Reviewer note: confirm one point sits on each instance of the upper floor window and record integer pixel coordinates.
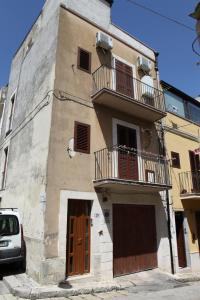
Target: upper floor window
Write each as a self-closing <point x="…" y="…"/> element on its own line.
<point x="174" y="104"/>
<point x="175" y="160"/>
<point x="5" y="162"/>
<point x="182" y="107"/>
<point x="194" y="112"/>
<point x="84" y="60"/>
<point x="11" y="111"/>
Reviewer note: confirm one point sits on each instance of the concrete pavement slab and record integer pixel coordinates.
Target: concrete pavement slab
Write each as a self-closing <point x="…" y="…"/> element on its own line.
<point x="103" y="295"/>
<point x="3" y="289"/>
<point x="89" y="297"/>
<point x="183" y="293"/>
<point x="9" y="297"/>
<point x="108" y="295"/>
<point x="75" y="298"/>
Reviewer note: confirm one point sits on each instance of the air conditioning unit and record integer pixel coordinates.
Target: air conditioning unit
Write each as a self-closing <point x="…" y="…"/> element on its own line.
<point x="104" y="41"/>
<point x="144" y="64"/>
<point x="147" y="87"/>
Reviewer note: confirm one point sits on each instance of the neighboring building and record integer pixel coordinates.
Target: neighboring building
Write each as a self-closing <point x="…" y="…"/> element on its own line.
<point x="198" y="98"/>
<point x="82" y="149"/>
<point x="182" y="137"/>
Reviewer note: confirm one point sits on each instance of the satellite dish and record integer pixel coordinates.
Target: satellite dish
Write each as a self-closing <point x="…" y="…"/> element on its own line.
<point x="70" y="148"/>
<point x="147" y="88"/>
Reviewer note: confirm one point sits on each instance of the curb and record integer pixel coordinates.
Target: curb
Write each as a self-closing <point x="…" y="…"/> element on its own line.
<point x="18" y="290"/>
<point x="186" y="277"/>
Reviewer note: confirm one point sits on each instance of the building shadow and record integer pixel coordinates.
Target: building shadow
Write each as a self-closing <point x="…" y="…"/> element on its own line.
<point x="10" y="269"/>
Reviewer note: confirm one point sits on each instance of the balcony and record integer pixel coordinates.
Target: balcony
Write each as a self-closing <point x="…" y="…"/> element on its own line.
<point x="119" y="168"/>
<point x="118" y="90"/>
<point x="190" y="185"/>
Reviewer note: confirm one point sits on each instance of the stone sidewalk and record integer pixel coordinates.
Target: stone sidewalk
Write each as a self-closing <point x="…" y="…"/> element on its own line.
<point x="24" y="287"/>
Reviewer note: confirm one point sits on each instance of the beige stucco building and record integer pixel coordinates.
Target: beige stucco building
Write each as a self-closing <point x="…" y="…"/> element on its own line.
<point x="182" y="138"/>
<point x="82" y="149"/>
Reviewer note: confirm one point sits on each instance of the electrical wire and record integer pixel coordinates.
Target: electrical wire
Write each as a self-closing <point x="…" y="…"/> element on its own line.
<point x="160" y="14"/>
<point x="43" y="103"/>
<point x="193" y="44"/>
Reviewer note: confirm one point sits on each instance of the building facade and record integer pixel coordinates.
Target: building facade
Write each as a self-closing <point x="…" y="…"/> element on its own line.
<point x="182" y="138"/>
<point x="82" y="149"/>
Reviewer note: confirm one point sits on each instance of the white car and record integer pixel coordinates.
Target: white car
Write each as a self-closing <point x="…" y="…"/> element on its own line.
<point x="12" y="245"/>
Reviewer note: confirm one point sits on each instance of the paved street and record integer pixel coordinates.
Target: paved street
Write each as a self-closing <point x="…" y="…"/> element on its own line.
<point x="189" y="292"/>
<point x="151" y="285"/>
<point x="174" y="291"/>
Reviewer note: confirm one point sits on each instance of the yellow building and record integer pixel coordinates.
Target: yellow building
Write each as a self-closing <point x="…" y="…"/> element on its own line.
<point x="182" y="138"/>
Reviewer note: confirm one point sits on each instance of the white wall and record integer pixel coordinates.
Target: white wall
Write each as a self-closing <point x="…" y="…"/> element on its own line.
<point x="31" y="77"/>
<point x="102" y="244"/>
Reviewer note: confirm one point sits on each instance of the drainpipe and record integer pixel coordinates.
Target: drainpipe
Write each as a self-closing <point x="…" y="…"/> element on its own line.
<point x="169" y="232"/>
<point x="168" y="208"/>
<point x="166" y="191"/>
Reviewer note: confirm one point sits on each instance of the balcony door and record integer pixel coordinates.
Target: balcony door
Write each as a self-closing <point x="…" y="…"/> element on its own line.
<point x="127" y="153"/>
<point x="124" y="78"/>
<point x="195" y="171"/>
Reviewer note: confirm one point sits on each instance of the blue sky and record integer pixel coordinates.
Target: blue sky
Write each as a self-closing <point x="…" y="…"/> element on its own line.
<point x="177" y="62"/>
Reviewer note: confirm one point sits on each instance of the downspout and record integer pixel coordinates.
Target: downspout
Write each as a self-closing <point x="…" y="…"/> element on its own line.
<point x="168" y="206"/>
<point x="166" y="174"/>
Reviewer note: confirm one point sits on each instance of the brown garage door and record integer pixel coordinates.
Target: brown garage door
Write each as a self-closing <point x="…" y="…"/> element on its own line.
<point x="134" y="238"/>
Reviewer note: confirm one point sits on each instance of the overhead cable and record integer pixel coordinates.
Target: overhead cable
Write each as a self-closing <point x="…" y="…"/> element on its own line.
<point x="160" y="14"/>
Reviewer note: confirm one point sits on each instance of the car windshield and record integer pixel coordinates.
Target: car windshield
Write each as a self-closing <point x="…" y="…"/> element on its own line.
<point x="9" y="225"/>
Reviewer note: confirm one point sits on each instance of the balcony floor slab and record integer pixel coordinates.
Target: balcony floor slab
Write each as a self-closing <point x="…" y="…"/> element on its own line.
<point x="128" y="105"/>
<point x="191" y="196"/>
<point x="124" y="185"/>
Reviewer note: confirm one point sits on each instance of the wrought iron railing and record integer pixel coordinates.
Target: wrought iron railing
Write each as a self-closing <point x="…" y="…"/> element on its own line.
<point x="189" y="182"/>
<point x="124" y="163"/>
<point x="123" y="83"/>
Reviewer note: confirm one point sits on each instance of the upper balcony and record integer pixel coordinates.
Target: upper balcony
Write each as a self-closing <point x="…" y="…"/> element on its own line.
<point x="190" y="185"/>
<point x="126" y="169"/>
<point x="119" y="90"/>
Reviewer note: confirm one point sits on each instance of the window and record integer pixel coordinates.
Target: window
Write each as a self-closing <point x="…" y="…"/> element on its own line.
<point x="4" y="168"/>
<point x="84" y="60"/>
<point x="194" y="112"/>
<point x="175" y="160"/>
<point x="81" y="137"/>
<point x="174" y="104"/>
<point x="11" y="115"/>
<point x="9" y="225"/>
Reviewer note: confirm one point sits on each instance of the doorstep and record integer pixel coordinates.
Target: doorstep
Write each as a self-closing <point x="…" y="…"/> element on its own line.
<point x="187" y="276"/>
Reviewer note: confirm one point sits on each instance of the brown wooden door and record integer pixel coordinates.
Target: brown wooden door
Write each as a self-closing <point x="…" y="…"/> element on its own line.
<point x="197" y="215"/>
<point x="180" y="239"/>
<point x="78" y="237"/>
<point x="195" y="171"/>
<point x="127" y="159"/>
<point x="124" y="79"/>
<point x="134" y="238"/>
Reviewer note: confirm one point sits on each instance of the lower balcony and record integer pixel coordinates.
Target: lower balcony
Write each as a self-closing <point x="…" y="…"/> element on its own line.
<point x="122" y="169"/>
<point x="190" y="185"/>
